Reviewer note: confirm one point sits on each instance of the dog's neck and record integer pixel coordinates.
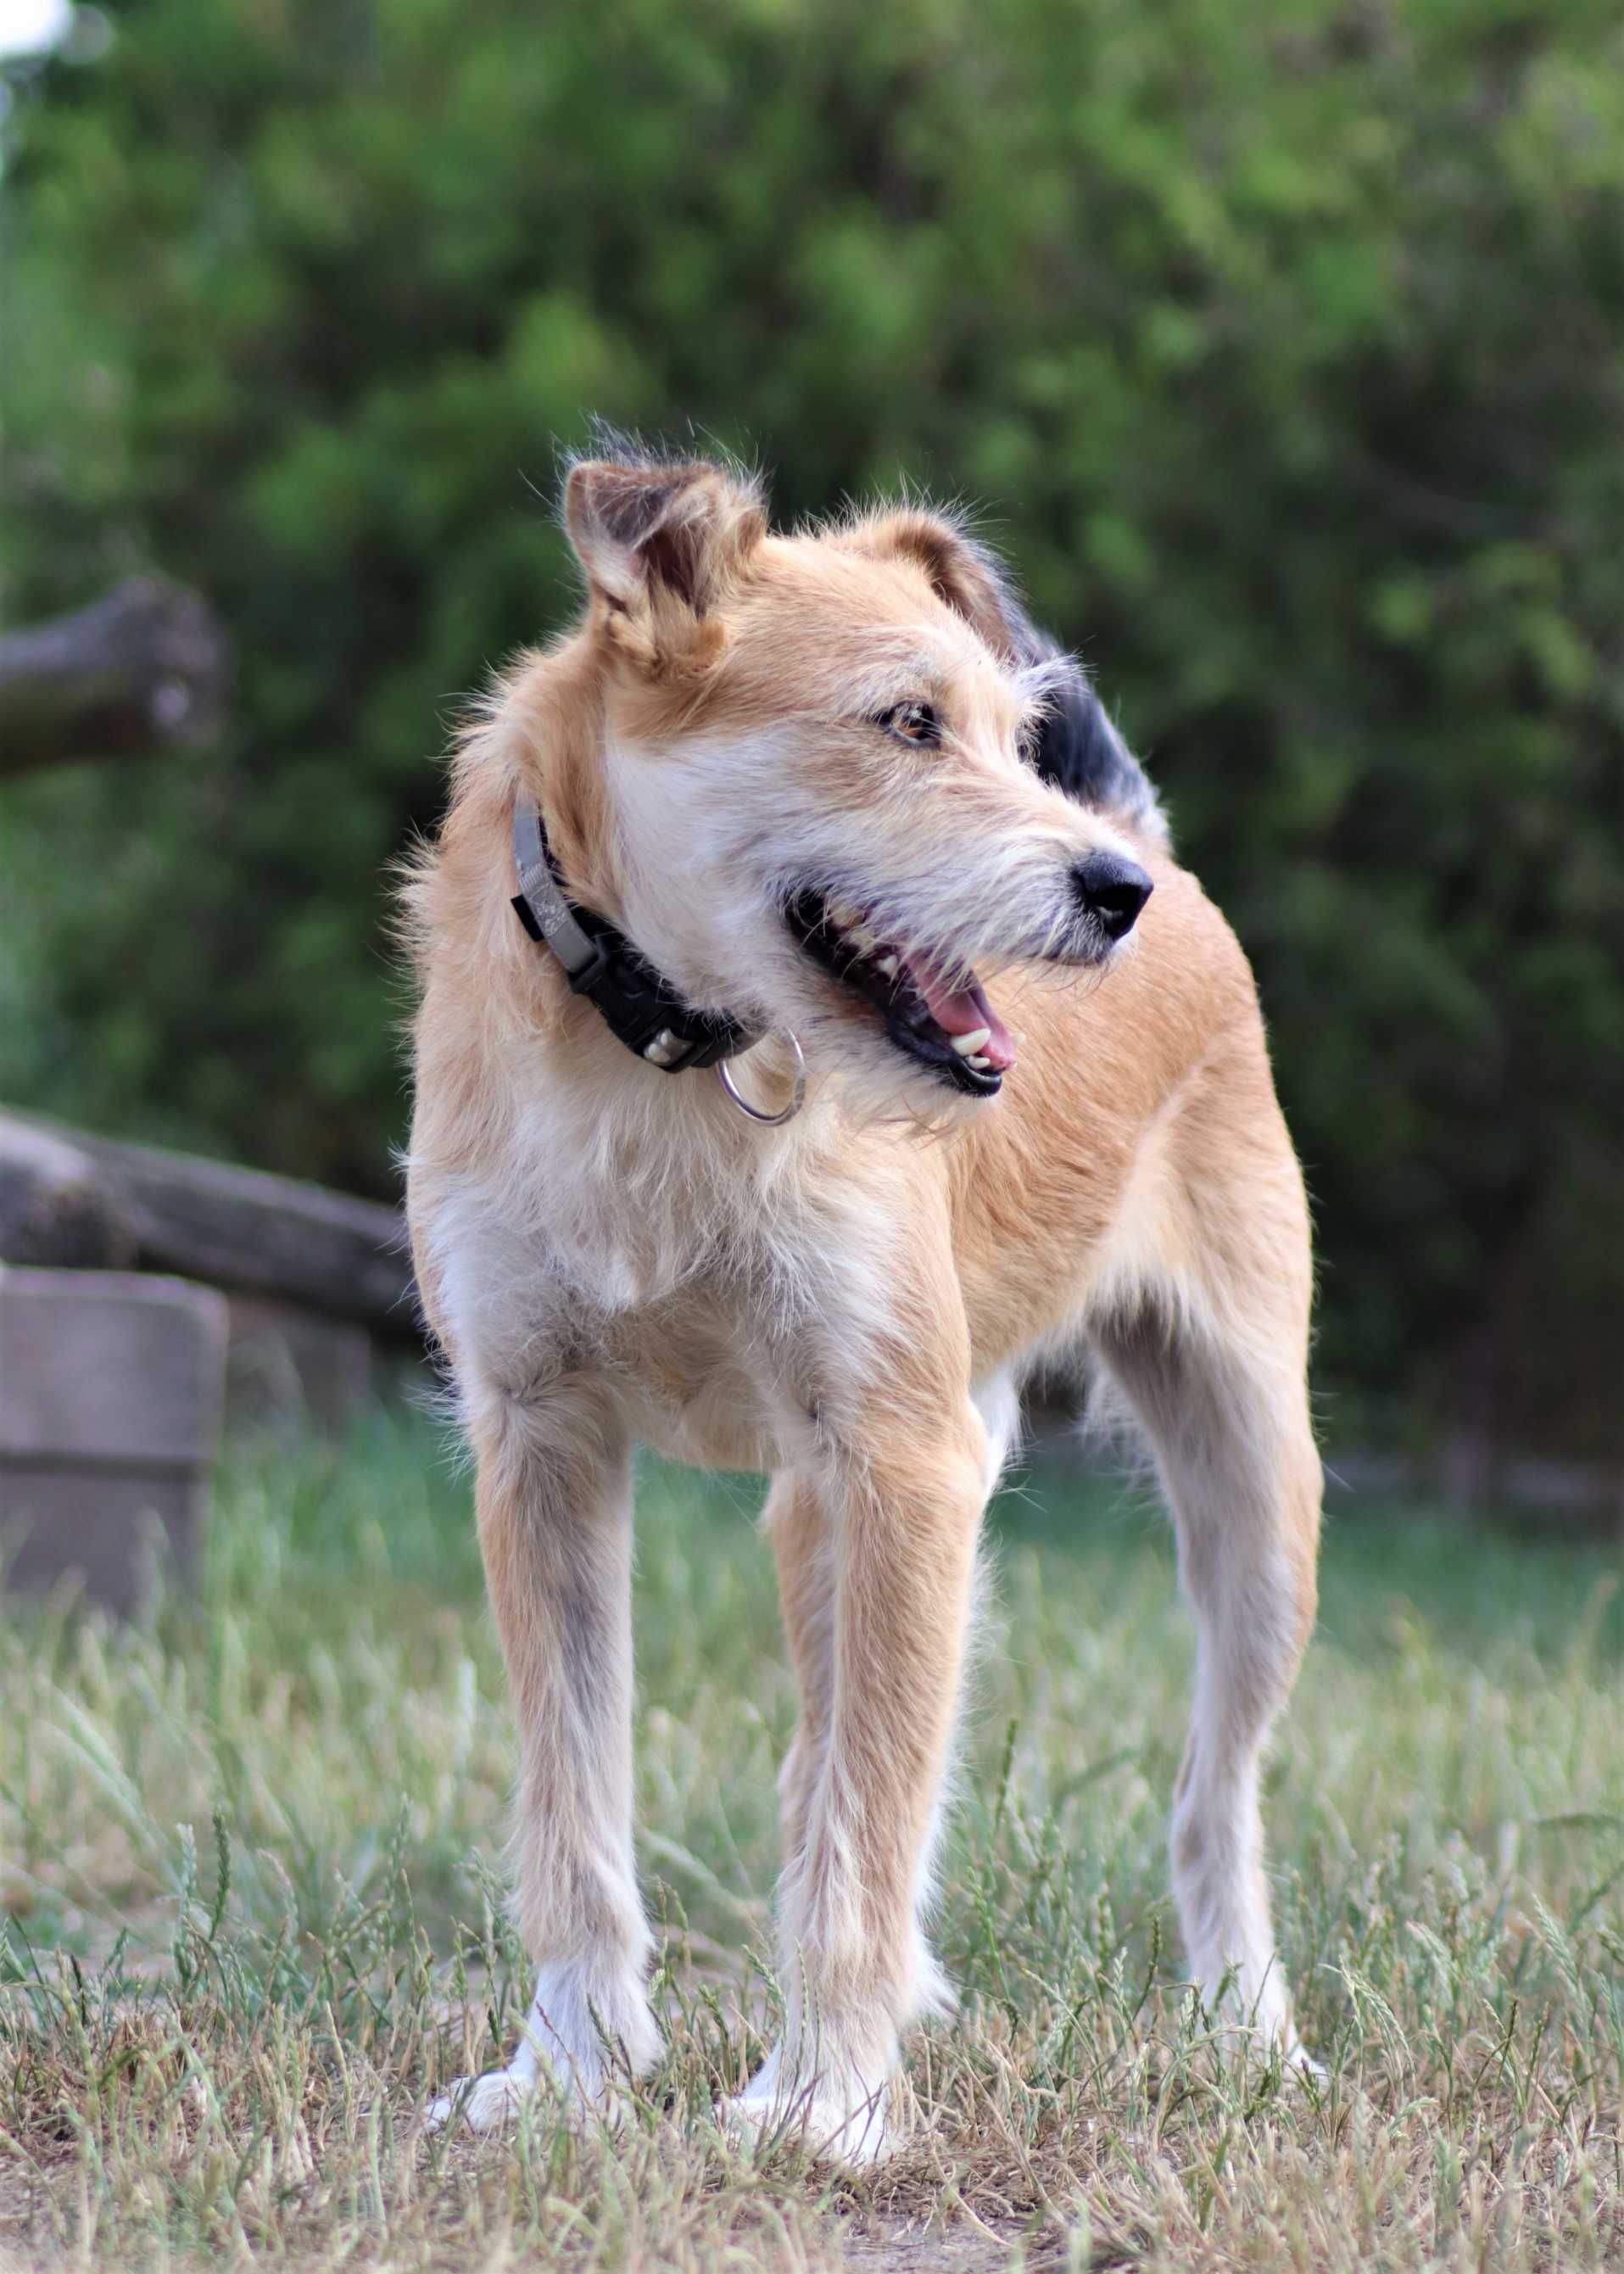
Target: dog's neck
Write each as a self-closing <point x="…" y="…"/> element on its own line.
<point x="640" y="1006"/>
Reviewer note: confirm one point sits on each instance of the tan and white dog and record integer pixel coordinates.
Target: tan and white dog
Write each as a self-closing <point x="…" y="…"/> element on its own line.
<point x="793" y="773"/>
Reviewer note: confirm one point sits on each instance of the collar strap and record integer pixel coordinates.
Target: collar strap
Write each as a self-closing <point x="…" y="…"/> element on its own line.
<point x="643" y="1009"/>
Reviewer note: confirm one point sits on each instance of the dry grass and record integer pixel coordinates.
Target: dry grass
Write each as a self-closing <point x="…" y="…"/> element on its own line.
<point x="245" y="1872"/>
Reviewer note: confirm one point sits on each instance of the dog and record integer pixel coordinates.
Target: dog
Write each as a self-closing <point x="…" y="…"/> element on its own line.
<point x="815" y="1034"/>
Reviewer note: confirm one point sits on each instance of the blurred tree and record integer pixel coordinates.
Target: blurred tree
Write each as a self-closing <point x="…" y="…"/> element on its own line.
<point x="1284" y="344"/>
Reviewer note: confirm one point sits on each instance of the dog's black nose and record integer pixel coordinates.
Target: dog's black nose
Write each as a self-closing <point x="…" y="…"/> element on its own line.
<point x="1113" y="890"/>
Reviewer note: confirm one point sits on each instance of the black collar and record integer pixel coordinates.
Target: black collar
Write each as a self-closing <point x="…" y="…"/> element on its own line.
<point x="635" y="1001"/>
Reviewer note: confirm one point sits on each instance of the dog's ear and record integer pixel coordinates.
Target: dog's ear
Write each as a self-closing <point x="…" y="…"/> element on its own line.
<point x="660" y="543"/>
<point x="958" y="570"/>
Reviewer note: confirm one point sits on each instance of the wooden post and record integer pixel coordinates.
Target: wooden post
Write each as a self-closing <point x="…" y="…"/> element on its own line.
<point x="110" y="1391"/>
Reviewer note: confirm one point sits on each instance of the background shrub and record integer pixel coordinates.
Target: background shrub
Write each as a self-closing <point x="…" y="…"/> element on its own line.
<point x="1282" y="346"/>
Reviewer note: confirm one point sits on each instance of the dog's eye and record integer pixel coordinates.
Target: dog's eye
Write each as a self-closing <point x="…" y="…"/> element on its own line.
<point x="912" y="722"/>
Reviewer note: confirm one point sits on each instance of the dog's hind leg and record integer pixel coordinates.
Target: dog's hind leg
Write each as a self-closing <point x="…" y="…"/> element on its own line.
<point x="1213" y="1368"/>
<point x="554" y="1502"/>
<point x="1241" y="1474"/>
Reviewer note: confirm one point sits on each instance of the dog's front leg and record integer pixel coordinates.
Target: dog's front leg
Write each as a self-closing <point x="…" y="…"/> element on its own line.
<point x="554" y="1502"/>
<point x="900" y="1514"/>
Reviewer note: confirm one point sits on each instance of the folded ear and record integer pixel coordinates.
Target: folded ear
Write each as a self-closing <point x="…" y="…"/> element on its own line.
<point x="660" y="543"/>
<point x="959" y="571"/>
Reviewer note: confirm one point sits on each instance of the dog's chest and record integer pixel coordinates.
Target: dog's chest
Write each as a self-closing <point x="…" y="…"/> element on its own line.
<point x="704" y="1379"/>
<point x="695" y="1284"/>
<point x="635" y="1202"/>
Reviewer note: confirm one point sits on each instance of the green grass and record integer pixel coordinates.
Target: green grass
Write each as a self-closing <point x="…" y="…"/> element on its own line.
<point x="250" y="1910"/>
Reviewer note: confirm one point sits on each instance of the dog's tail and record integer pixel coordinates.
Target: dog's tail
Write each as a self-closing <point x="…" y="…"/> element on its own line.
<point x="1078" y="749"/>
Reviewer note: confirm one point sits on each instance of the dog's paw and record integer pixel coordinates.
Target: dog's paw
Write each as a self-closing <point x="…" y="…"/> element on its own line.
<point x="833" y="2118"/>
<point x="584" y="2040"/>
<point x="492" y="2102"/>
<point x="485" y="2103"/>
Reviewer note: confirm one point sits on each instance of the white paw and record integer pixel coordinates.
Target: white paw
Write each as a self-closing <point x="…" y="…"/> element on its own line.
<point x="836" y="2119"/>
<point x="485" y="2103"/>
<point x="583" y="2046"/>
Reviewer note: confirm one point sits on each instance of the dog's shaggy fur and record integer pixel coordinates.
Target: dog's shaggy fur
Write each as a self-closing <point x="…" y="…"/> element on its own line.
<point x="766" y="757"/>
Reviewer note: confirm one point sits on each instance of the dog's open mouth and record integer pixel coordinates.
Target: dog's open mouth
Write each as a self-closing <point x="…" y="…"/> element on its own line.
<point x="952" y="1031"/>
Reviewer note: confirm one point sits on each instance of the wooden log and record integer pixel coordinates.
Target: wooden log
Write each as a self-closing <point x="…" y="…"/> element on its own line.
<point x="143" y="669"/>
<point x="248" y="1231"/>
<point x="269" y="1235"/>
<point x="57" y="1206"/>
<point x="110" y="1393"/>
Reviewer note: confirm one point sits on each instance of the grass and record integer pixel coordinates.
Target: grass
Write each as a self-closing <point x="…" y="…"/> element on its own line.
<point x="250" y="1915"/>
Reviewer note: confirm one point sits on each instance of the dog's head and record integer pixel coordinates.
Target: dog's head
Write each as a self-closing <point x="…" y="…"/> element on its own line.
<point x="816" y="776"/>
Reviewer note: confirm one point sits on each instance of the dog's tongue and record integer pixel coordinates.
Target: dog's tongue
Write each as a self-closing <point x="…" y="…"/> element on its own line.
<point x="965" y="1013"/>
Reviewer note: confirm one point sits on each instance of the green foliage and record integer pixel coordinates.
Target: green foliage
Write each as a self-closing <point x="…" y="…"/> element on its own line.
<point x="1283" y="345"/>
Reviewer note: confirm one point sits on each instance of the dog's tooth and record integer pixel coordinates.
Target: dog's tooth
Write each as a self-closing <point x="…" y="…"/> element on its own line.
<point x="981" y="1065"/>
<point x="861" y="936"/>
<point x="843" y="914"/>
<point x="967" y="1045"/>
<point x="891" y="964"/>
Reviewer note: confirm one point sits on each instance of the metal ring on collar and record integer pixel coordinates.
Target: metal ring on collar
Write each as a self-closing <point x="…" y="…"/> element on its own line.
<point x="797" y="1096"/>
